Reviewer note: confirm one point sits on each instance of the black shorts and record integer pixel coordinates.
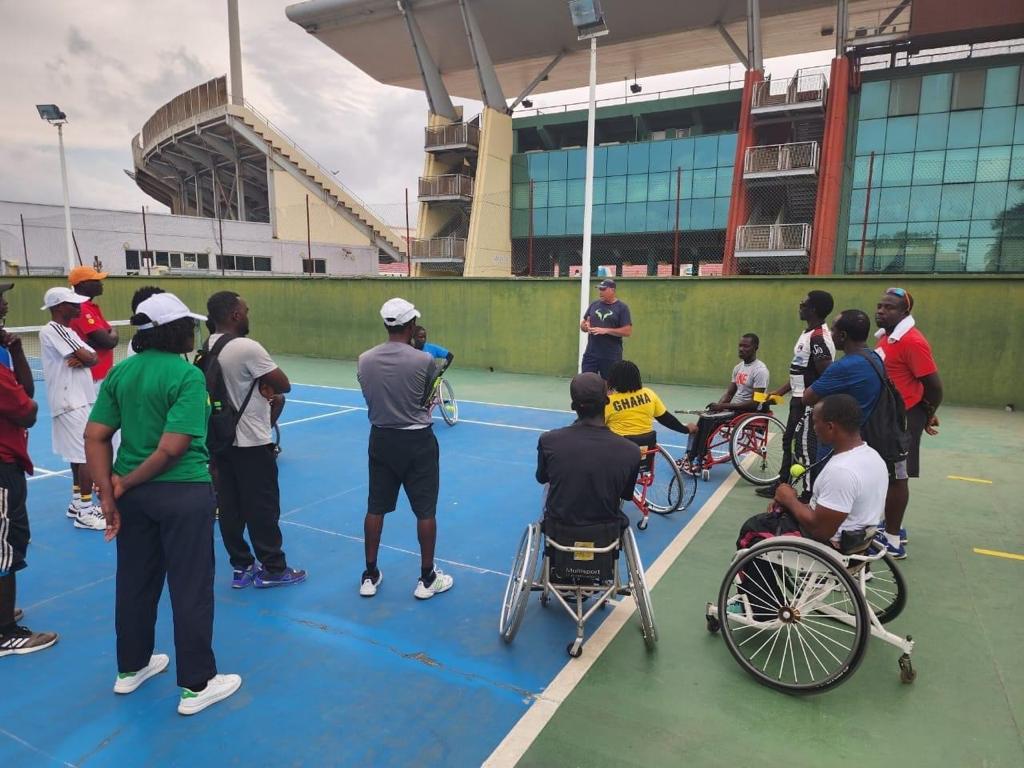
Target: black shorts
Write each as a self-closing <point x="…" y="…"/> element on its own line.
<point x="599" y="365"/>
<point x="14" y="530"/>
<point x="403" y="458"/>
<point x="917" y="419"/>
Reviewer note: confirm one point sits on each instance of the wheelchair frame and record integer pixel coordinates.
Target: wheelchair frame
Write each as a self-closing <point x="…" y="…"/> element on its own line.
<point x="682" y="488"/>
<point x="730" y="433"/>
<point x="806" y="612"/>
<point x="522" y="582"/>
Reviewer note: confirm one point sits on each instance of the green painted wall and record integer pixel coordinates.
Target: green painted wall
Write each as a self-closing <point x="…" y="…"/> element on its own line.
<point x="685" y="331"/>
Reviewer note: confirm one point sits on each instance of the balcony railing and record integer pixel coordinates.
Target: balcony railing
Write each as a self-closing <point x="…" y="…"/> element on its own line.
<point x="438" y="249"/>
<point x="765" y="239"/>
<point x="452" y="186"/>
<point x="454" y="137"/>
<point x="799" y="159"/>
<point x="803" y="91"/>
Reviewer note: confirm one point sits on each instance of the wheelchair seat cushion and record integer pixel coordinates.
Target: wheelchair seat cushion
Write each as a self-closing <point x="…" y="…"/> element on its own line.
<point x="582" y="567"/>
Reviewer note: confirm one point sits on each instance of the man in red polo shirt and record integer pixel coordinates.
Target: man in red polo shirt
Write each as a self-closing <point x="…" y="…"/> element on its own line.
<point x="910" y="365"/>
<point x="17" y="414"/>
<point x="91" y="325"/>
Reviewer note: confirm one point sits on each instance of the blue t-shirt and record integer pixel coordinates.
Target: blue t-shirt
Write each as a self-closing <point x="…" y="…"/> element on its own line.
<point x="602" y="315"/>
<point x="435" y="350"/>
<point x="852" y="375"/>
<point x="5" y="358"/>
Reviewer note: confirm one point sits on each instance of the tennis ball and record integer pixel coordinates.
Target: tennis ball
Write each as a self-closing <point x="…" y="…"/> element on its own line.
<point x="797" y="471"/>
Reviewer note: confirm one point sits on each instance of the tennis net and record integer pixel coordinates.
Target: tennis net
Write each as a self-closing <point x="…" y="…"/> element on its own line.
<point x="29" y="336"/>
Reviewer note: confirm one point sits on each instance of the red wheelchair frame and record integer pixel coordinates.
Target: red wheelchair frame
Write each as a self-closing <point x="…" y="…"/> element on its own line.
<point x="723" y="442"/>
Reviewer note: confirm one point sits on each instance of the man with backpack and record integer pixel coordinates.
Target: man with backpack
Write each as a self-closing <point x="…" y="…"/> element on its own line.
<point x="246" y="388"/>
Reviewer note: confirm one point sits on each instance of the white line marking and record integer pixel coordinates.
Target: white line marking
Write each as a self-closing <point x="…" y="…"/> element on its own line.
<point x="295" y="511"/>
<point x="46" y="474"/>
<point x="475" y="402"/>
<point x="360" y="539"/>
<point x="518" y="740"/>
<point x="495" y="424"/>
<point x="35" y="749"/>
<point x="319" y="416"/>
<point x="69" y="592"/>
<point x="316" y="402"/>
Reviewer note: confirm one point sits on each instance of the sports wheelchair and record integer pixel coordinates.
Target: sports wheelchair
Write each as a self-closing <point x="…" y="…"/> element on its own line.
<point x="758" y="433"/>
<point x="580" y="562"/>
<point x="797" y="614"/>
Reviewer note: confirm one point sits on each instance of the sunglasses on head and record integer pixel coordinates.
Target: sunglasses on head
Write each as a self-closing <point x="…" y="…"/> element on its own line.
<point x="901" y="293"/>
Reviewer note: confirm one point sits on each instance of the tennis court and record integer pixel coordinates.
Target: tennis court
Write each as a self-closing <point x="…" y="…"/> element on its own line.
<point x="329" y="677"/>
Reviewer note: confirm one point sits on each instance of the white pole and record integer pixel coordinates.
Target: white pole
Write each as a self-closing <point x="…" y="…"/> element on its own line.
<point x="235" y="53"/>
<point x="588" y="198"/>
<point x="67" y="201"/>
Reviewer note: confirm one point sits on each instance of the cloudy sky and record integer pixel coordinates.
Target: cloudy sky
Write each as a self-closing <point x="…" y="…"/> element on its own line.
<point x="109" y="65"/>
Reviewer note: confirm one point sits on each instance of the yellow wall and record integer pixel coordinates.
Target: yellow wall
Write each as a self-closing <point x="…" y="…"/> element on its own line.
<point x="489" y="249"/>
<point x="326" y="224"/>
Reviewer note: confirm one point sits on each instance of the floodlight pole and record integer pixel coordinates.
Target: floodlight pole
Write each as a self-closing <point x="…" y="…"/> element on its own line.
<point x="67" y="200"/>
<point x="588" y="199"/>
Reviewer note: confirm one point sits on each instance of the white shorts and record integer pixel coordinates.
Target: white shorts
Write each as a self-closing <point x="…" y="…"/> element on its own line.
<point x="69" y="435"/>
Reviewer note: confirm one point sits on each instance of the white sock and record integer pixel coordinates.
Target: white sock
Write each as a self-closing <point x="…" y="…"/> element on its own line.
<point x="893" y="539"/>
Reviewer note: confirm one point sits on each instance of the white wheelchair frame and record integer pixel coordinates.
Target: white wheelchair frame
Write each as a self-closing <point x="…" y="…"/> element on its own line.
<point x="523" y="580"/>
<point x="820" y="575"/>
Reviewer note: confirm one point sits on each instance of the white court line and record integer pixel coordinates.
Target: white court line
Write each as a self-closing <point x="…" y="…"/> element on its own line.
<point x="475" y="402"/>
<point x="319" y="416"/>
<point x="34" y="748"/>
<point x="316" y="402"/>
<point x="495" y="424"/>
<point x="45" y="474"/>
<point x="360" y="539"/>
<point x="524" y="732"/>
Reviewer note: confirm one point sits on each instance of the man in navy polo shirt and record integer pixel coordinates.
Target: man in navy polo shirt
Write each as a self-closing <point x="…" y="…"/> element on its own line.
<point x="607" y="322"/>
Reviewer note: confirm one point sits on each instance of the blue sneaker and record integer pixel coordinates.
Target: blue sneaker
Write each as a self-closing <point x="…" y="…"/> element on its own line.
<point x="265" y="579"/>
<point x="897" y="553"/>
<point x="243" y="579"/>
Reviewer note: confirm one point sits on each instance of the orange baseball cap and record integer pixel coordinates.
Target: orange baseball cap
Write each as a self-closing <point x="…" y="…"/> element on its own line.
<point x="81" y="274"/>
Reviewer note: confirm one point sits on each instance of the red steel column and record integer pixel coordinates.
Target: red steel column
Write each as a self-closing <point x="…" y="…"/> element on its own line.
<point x="738" y="207"/>
<point x="830" y="171"/>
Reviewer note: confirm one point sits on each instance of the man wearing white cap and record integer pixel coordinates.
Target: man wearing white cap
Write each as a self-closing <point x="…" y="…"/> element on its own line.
<point x="397" y="380"/>
<point x="70" y="393"/>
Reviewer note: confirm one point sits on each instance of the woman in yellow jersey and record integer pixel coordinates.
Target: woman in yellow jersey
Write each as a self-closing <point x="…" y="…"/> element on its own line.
<point x="633" y="408"/>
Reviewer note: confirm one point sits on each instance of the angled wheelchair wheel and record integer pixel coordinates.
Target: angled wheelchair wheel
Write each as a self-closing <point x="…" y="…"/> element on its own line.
<point x="520" y="580"/>
<point x="686" y="489"/>
<point x="665" y="493"/>
<point x="638" y="582"/>
<point x="780" y="607"/>
<point x="759" y="435"/>
<point x="884" y="587"/>
<point x="449" y="406"/>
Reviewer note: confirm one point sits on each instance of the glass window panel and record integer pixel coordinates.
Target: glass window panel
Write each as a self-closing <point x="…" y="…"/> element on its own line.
<point x="954" y="229"/>
<point x="616" y="189"/>
<point x="639" y="157"/>
<point x="538" y="163"/>
<point x="161" y="258"/>
<point x="704" y="182"/>
<point x="858" y="200"/>
<point x="894" y="204"/>
<point x="928" y="167"/>
<point x="968" y="89"/>
<point x="982" y="254"/>
<point x="520" y="223"/>
<point x="702" y="214"/>
<point x="615" y="218"/>
<point x="175" y="260"/>
<point x="874" y="100"/>
<point x="576" y="164"/>
<point x="617" y="158"/>
<point x="684" y="215"/>
<point x="660" y="187"/>
<point x="556" y="193"/>
<point x="636" y="217"/>
<point x="989" y="200"/>
<point x="935" y="92"/>
<point x="950" y="254"/>
<point x="658" y="217"/>
<point x="682" y="154"/>
<point x="898" y="170"/>
<point x="557" y="165"/>
<point x="961" y="166"/>
<point x="924" y="229"/>
<point x="203" y="260"/>
<point x="574" y="191"/>
<point x="600" y="187"/>
<point x="904" y="96"/>
<point x="686" y="188"/>
<point x="925" y="203"/>
<point x="540" y="221"/>
<point x="957" y="200"/>
<point x="870" y="136"/>
<point x="574" y="220"/>
<point x="1001" y="86"/>
<point x="261" y="263"/>
<point x="520" y="169"/>
<point x="997" y="126"/>
<point x="919" y="254"/>
<point x="854" y="235"/>
<point x="556" y="221"/>
<point x="540" y="194"/>
<point x="520" y="195"/>
<point x="636" y="188"/>
<point x="723" y="182"/>
<point x="1011" y="255"/>
<point x="661" y="156"/>
<point x="705" y="152"/>
<point x="1015" y="202"/>
<point x="727" y="150"/>
<point x="901" y="134"/>
<point x="600" y="162"/>
<point x="598" y="224"/>
<point x="993" y="164"/>
<point x="863" y="168"/>
<point x="131" y="260"/>
<point x="1018" y="128"/>
<point x="931" y="131"/>
<point x="1017" y="162"/>
<point x="983" y="228"/>
<point x="721" y="212"/>
<point x="964" y="129"/>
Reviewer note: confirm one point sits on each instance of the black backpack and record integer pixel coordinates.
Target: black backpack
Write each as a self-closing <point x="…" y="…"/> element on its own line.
<point x="886" y="429"/>
<point x="223" y="424"/>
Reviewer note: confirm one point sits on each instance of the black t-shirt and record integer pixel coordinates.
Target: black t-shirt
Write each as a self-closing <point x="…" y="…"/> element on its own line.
<point x="590" y="470"/>
<point x="601" y="315"/>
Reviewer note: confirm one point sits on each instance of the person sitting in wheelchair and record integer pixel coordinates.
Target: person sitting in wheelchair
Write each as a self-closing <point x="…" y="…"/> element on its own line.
<point x="750" y="375"/>
<point x="633" y="408"/>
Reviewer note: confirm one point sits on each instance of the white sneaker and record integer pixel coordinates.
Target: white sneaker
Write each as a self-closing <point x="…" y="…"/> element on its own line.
<point x="217" y="689"/>
<point x="91" y="518"/>
<point x="72" y="510"/>
<point x="369" y="586"/>
<point x="442" y="583"/>
<point x="128" y="681"/>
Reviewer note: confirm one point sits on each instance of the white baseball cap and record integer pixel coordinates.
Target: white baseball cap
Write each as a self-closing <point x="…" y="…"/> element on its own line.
<point x="164" y="308"/>
<point x="61" y="295"/>
<point x="397" y="312"/>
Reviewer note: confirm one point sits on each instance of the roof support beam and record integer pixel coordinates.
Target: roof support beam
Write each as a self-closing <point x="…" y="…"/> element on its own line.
<point x="737" y="52"/>
<point x="437" y="95"/>
<point x="490" y="89"/>
<point x="754" y="59"/>
<point x="843" y="20"/>
<point x="537" y="80"/>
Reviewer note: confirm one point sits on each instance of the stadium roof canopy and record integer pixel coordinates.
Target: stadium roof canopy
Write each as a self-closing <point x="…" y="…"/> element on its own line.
<point x="647" y="37"/>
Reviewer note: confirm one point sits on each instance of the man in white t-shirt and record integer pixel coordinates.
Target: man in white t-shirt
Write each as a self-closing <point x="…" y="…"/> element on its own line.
<point x="245" y="475"/>
<point x="70" y="393"/>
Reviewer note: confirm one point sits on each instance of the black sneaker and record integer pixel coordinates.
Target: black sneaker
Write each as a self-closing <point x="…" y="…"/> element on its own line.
<point x="22" y="640"/>
<point x="766" y="491"/>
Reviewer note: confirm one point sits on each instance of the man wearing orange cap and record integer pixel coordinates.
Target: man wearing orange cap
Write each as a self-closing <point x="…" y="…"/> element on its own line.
<point x="91" y="325"/>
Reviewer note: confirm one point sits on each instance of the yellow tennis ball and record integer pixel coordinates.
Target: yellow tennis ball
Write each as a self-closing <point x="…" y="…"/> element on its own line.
<point x="796" y="471"/>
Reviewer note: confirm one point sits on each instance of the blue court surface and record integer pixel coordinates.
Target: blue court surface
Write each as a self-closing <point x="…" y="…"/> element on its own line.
<point x="329" y="678"/>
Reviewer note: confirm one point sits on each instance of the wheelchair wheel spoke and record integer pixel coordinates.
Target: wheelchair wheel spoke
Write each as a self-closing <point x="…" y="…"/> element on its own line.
<point x="806" y="645"/>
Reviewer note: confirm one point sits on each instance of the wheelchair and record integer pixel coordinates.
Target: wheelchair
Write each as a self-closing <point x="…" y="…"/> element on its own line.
<point x="796" y="614"/>
<point x="579" y="563"/>
<point x="661" y="487"/>
<point x="756" y="434"/>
